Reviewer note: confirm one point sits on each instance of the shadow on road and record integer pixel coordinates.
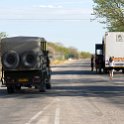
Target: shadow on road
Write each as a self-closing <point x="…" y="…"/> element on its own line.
<point x="73" y="72"/>
<point x="66" y="87"/>
<point x="73" y="65"/>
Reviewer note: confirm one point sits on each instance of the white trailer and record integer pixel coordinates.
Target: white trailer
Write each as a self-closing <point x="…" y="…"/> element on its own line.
<point x="113" y="46"/>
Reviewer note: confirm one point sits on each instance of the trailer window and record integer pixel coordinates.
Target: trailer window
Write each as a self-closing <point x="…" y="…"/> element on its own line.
<point x="99" y="52"/>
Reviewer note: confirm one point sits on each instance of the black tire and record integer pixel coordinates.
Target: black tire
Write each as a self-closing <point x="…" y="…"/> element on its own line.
<point x="105" y="71"/>
<point x="42" y="87"/>
<point x="29" y="59"/>
<point x="48" y="86"/>
<point x="36" y="87"/>
<point x="10" y="89"/>
<point x="18" y="87"/>
<point x="10" y="60"/>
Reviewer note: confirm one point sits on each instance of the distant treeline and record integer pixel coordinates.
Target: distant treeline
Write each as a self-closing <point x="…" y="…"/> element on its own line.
<point x="59" y="51"/>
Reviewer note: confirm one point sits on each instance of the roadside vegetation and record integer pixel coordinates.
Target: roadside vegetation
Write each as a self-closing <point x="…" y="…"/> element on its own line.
<point x="111" y="13"/>
<point x="59" y="53"/>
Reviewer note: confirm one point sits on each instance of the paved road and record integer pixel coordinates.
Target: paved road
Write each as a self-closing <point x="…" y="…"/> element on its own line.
<point x="78" y="96"/>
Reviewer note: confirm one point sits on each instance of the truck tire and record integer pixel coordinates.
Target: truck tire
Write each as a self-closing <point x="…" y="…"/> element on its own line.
<point x="105" y="71"/>
<point x="48" y="85"/>
<point x="29" y="59"/>
<point x="42" y="87"/>
<point x="10" y="89"/>
<point x="18" y="88"/>
<point x="10" y="60"/>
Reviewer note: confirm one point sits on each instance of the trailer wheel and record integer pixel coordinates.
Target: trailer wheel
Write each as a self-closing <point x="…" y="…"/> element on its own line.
<point x="35" y="87"/>
<point x="10" y="89"/>
<point x="105" y="71"/>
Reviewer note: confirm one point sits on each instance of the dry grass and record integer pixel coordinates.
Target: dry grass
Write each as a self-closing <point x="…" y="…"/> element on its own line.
<point x="58" y="62"/>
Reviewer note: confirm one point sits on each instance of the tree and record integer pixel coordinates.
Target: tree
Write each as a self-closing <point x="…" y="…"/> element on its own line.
<point x="59" y="51"/>
<point x="85" y="54"/>
<point x="111" y="12"/>
<point x="3" y="35"/>
<point x="73" y="53"/>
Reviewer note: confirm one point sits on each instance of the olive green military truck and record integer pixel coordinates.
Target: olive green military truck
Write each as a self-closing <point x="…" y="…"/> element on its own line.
<point x="25" y="62"/>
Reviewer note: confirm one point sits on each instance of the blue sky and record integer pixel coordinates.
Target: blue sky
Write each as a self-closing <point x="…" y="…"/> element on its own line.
<point x="64" y="21"/>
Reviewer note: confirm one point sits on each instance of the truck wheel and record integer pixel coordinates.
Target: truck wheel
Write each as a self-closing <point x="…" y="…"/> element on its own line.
<point x="10" y="89"/>
<point x="48" y="85"/>
<point x="35" y="87"/>
<point x="42" y="87"/>
<point x="105" y="71"/>
<point x="122" y="70"/>
<point x="18" y="87"/>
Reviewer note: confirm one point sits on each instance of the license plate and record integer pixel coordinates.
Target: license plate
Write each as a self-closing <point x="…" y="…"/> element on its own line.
<point x="23" y="80"/>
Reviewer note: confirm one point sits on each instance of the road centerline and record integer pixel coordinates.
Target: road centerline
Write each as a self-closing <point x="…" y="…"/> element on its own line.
<point x="39" y="113"/>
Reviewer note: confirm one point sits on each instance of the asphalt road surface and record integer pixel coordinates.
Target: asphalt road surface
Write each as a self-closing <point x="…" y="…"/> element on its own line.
<point x="78" y="96"/>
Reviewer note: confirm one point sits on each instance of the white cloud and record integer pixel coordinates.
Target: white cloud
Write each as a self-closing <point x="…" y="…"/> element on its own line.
<point x="49" y="6"/>
<point x="74" y="2"/>
<point x="83" y="11"/>
<point x="46" y="12"/>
